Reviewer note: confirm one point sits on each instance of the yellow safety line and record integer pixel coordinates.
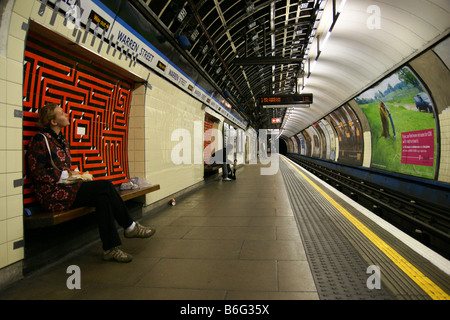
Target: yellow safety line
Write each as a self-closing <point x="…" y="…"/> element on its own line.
<point x="434" y="291"/>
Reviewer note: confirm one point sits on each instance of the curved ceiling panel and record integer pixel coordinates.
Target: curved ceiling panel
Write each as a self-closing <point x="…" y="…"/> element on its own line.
<point x="247" y="48"/>
<point x="369" y="40"/>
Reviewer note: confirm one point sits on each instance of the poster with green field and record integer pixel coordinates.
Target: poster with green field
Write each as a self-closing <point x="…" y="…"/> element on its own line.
<point x="401" y="117"/>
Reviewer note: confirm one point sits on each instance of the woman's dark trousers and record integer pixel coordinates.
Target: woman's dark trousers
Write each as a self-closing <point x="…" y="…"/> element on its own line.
<point x="109" y="206"/>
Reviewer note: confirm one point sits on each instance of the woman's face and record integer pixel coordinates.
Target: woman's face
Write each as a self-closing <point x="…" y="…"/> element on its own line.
<point x="61" y="119"/>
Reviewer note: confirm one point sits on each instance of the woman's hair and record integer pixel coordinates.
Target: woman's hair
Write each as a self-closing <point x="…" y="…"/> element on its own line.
<point x="47" y="114"/>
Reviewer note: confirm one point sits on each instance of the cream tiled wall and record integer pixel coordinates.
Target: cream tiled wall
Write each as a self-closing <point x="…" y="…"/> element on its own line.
<point x="367" y="149"/>
<point x="11" y="78"/>
<point x="156" y="110"/>
<point x="168" y="109"/>
<point x="444" y="168"/>
<point x="136" y="130"/>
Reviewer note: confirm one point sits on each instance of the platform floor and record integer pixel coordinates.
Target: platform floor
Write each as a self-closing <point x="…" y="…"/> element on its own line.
<point x="356" y="255"/>
<point x="286" y="236"/>
<point x="230" y="240"/>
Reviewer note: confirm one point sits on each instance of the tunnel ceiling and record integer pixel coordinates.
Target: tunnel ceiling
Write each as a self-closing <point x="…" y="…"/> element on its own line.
<point x="245" y="48"/>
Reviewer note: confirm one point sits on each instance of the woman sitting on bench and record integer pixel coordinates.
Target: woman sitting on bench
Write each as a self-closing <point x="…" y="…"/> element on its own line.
<point x="46" y="171"/>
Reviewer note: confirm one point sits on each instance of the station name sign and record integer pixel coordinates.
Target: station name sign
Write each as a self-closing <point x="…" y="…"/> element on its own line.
<point x="286" y="99"/>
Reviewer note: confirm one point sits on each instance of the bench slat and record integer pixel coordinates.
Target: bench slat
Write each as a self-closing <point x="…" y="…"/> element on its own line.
<point x="46" y="219"/>
<point x="130" y="194"/>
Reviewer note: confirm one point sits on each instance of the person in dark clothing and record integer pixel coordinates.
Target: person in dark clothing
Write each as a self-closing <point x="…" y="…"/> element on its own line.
<point x="232" y="173"/>
<point x="220" y="157"/>
<point x="46" y="172"/>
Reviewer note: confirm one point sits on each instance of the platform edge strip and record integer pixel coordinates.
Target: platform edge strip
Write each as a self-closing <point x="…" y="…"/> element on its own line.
<point x="433" y="290"/>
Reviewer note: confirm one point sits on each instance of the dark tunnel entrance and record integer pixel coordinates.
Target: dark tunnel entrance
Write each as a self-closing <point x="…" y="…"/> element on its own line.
<point x="282" y="146"/>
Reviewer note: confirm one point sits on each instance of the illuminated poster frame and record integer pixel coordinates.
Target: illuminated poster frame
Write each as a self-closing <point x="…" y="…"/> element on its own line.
<point x="402" y="118"/>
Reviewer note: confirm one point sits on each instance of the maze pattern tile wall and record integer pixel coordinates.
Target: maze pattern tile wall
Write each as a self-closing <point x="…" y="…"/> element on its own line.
<point x="97" y="102"/>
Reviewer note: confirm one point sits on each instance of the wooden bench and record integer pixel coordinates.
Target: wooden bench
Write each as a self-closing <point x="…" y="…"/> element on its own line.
<point x="46" y="219"/>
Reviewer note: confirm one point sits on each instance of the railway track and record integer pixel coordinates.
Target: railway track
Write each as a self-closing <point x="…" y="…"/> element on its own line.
<point x="427" y="222"/>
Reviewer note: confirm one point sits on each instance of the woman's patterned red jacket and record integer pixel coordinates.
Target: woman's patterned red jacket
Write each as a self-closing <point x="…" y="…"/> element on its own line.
<point x="51" y="195"/>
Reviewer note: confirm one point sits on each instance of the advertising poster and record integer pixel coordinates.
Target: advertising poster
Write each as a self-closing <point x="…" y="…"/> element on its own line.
<point x="402" y="122"/>
<point x="307" y="143"/>
<point x="295" y="144"/>
<point x="315" y="141"/>
<point x="302" y="145"/>
<point x="331" y="139"/>
<point x="322" y="139"/>
<point x="348" y="129"/>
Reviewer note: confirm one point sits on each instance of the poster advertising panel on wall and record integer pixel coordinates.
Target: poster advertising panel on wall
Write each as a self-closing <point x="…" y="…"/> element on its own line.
<point x="401" y="116"/>
<point x="325" y="129"/>
<point x="294" y="144"/>
<point x="418" y="147"/>
<point x="348" y="130"/>
<point x="302" y="150"/>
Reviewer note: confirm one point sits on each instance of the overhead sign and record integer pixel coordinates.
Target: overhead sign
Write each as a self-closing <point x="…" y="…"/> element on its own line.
<point x="99" y="20"/>
<point x="271" y="106"/>
<point x="291" y="99"/>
